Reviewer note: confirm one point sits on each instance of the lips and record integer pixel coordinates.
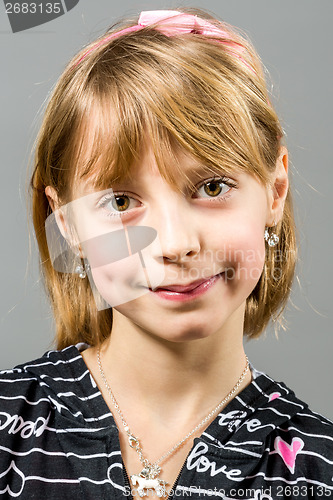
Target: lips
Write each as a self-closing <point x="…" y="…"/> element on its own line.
<point x="183" y="288"/>
<point x="185" y="293"/>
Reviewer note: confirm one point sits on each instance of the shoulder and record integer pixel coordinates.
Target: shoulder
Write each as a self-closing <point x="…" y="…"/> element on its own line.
<point x="15" y="386"/>
<point x="30" y="385"/>
<point x="309" y="434"/>
<point x="300" y="443"/>
<point x="311" y="422"/>
<point x="295" y="416"/>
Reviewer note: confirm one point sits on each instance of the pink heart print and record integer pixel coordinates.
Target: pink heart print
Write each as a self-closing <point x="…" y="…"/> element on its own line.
<point x="288" y="452"/>
<point x="274" y="395"/>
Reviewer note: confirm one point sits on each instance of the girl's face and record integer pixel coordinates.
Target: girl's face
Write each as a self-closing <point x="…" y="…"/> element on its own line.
<point x="209" y="255"/>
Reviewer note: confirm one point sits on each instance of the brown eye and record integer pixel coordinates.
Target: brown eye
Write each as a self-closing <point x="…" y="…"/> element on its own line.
<point x="118" y="205"/>
<point x="213" y="188"/>
<point x="218" y="187"/>
<point x="121" y="203"/>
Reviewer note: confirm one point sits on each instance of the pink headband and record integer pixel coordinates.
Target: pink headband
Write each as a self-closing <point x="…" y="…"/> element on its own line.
<point x="170" y="23"/>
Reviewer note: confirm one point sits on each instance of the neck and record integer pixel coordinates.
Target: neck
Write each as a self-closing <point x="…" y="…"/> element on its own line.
<point x="195" y="375"/>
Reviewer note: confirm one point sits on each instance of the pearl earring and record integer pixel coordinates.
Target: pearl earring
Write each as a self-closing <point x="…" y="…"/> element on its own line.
<point x="271" y="237"/>
<point x="81" y="269"/>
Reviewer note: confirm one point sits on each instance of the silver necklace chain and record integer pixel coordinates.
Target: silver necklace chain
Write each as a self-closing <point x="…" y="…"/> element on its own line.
<point x="153" y="468"/>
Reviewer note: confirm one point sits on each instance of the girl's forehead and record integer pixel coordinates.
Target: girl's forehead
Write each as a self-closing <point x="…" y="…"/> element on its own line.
<point x="145" y="175"/>
<point x="182" y="168"/>
<point x="103" y="158"/>
<point x="109" y="153"/>
<point x="147" y="161"/>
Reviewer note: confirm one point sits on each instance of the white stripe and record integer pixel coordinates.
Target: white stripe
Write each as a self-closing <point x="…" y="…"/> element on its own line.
<point x="274" y="410"/>
<point x="52" y="480"/>
<point x="280" y="398"/>
<point x="311" y="453"/>
<point x="216" y="441"/>
<point x="72" y="394"/>
<point x="94" y="481"/>
<point x="73" y="429"/>
<point x="244" y="404"/>
<point x="246" y="442"/>
<point x="312" y="416"/>
<point x="102" y="417"/>
<point x="246" y="452"/>
<point x="258" y="388"/>
<point x="322" y="416"/>
<point x="11" y="371"/>
<point x="16" y="380"/>
<point x="48" y="353"/>
<point x="218" y="444"/>
<point x="25" y="399"/>
<point x="297" y="480"/>
<point x="323" y="436"/>
<point x="61" y="379"/>
<point x="260" y="443"/>
<point x="278" y="384"/>
<point x="60" y="361"/>
<point x="56" y="350"/>
<point x="59" y="453"/>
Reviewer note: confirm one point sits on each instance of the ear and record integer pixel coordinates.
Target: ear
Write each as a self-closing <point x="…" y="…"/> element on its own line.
<point x="67" y="231"/>
<point x="54" y="203"/>
<point x="279" y="188"/>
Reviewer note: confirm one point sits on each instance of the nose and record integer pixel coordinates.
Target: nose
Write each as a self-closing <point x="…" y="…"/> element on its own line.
<point x="177" y="230"/>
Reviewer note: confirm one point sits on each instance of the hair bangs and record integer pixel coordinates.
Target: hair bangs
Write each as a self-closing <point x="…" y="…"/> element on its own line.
<point x="112" y="134"/>
<point x="175" y="113"/>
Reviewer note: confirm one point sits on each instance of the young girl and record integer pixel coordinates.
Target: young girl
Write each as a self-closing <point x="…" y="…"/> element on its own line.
<point x="164" y="221"/>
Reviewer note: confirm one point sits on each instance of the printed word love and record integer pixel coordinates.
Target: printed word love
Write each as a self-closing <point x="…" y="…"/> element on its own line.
<point x="197" y="460"/>
<point x="15" y="424"/>
<point x="234" y="419"/>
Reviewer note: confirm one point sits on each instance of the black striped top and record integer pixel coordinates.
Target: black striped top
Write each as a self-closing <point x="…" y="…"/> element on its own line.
<point x="58" y="440"/>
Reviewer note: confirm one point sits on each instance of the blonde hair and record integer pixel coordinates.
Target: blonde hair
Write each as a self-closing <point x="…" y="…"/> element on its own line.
<point x="185" y="91"/>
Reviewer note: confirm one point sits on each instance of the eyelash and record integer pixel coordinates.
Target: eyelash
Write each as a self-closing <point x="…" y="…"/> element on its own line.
<point x="102" y="203"/>
<point x="221" y="180"/>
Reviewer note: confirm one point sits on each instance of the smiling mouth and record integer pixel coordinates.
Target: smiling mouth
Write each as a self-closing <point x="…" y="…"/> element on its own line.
<point x="191" y="290"/>
<point x="185" y="288"/>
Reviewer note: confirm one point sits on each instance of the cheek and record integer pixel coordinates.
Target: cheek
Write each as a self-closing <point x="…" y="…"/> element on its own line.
<point x="241" y="244"/>
<point x="248" y="255"/>
<point x="121" y="281"/>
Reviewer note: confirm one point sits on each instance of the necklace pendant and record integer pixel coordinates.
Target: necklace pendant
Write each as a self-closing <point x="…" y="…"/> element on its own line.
<point x="147" y="480"/>
<point x="152" y="470"/>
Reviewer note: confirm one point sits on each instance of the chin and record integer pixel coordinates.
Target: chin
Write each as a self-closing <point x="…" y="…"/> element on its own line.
<point x="186" y="333"/>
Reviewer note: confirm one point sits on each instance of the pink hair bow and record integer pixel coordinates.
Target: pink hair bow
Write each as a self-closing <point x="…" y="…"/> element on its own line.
<point x="173" y="22"/>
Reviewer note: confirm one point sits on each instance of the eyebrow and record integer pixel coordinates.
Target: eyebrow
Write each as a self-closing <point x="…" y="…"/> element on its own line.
<point x="195" y="171"/>
<point x="200" y="171"/>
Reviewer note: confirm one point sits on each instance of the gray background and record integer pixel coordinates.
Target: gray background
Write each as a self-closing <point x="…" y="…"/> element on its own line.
<point x="294" y="39"/>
